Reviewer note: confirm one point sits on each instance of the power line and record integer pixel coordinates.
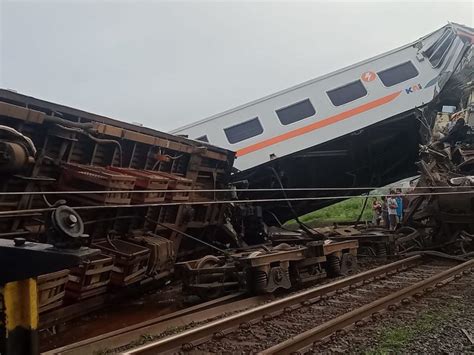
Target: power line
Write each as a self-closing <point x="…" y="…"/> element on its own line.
<point x="95" y="207"/>
<point x="368" y="188"/>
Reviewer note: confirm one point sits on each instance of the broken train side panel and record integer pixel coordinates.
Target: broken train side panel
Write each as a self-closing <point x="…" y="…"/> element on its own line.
<point x="444" y="208"/>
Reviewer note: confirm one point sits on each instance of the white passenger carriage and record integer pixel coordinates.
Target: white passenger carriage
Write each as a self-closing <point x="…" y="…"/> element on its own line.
<point x="334" y="105"/>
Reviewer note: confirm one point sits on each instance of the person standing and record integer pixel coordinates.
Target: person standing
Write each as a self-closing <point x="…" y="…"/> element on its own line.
<point x="399" y="199"/>
<point x="376" y="212"/>
<point x="386" y="221"/>
<point x="392" y="210"/>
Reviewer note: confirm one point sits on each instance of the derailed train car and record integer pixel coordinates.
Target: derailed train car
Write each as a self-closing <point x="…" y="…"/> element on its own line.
<point x="356" y="127"/>
<point x="143" y="198"/>
<point x="334" y="136"/>
<point x="70" y="178"/>
<point x="442" y="206"/>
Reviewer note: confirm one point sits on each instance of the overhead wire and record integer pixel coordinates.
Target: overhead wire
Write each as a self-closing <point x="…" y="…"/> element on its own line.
<point x="194" y="238"/>
<point x="295" y="189"/>
<point x="316" y="198"/>
<point x="290" y="206"/>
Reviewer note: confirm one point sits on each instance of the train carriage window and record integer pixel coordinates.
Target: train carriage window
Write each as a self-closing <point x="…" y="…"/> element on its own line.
<point x="438" y="56"/>
<point x="429" y="52"/>
<point x="437" y="51"/>
<point x="398" y="74"/>
<point x="295" y="112"/>
<point x="202" y="139"/>
<point x="347" y="93"/>
<point x="243" y="131"/>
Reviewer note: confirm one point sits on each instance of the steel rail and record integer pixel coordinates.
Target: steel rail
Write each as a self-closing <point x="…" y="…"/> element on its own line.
<point x="192" y="337"/>
<point x="303" y="341"/>
<point x="13" y="213"/>
<point x="195" y="313"/>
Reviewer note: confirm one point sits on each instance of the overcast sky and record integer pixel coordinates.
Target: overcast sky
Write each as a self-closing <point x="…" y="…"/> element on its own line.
<point x="166" y="64"/>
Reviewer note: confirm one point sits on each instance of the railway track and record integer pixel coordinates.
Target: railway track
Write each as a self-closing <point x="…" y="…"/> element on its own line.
<point x="128" y="334"/>
<point x="197" y="314"/>
<point x="296" y="322"/>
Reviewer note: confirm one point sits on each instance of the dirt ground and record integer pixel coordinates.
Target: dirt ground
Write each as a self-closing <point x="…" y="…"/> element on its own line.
<point x="440" y="323"/>
<point x="434" y="324"/>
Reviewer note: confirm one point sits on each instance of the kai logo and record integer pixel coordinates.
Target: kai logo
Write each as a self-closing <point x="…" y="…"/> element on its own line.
<point x="413" y="88"/>
<point x="368" y="76"/>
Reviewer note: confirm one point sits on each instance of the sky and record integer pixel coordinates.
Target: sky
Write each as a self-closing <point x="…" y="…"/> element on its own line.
<point x="165" y="64"/>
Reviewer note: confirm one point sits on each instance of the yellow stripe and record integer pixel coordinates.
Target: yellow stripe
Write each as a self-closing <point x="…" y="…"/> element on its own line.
<point x="21" y="304"/>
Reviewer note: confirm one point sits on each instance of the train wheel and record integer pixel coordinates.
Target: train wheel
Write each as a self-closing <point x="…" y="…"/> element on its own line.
<point x="210" y="293"/>
<point x="207" y="262"/>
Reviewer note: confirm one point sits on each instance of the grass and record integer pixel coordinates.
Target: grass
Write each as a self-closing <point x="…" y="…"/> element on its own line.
<point x="392" y="340"/>
<point x="344" y="211"/>
<point x="347" y="210"/>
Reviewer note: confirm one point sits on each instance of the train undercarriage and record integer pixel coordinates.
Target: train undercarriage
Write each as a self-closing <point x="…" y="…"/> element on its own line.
<point x="266" y="269"/>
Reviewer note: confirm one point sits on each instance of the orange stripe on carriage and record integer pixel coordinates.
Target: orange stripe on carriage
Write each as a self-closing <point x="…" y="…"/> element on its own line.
<point x="317" y="125"/>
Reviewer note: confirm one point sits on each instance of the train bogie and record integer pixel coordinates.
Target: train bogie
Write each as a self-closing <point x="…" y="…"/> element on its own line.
<point x="264" y="270"/>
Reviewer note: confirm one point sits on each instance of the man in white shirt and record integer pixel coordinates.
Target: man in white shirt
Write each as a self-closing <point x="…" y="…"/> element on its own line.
<point x="392" y="210"/>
